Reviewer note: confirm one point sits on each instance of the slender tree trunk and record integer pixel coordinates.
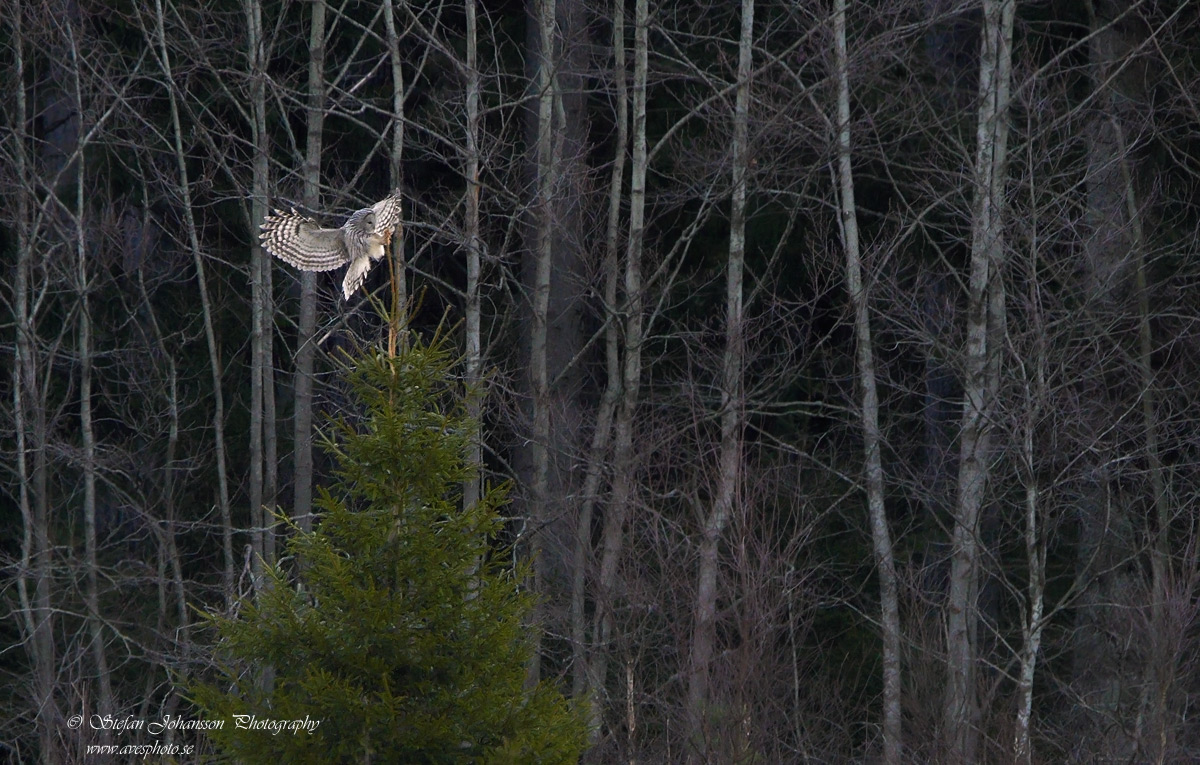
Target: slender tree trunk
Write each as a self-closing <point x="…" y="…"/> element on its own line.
<point x="984" y="349"/>
<point x="872" y="438"/>
<point x="29" y="416"/>
<point x="730" y="448"/>
<point x="305" y="346"/>
<point x="396" y="254"/>
<point x="1035" y="556"/>
<point x="259" y="265"/>
<point x="553" y="271"/>
<point x="270" y="499"/>
<point x="589" y="665"/>
<point x="170" y="585"/>
<point x="210" y="335"/>
<point x="1158" y="671"/>
<point x="171" y="531"/>
<point x="36" y="508"/>
<point x="474" y="354"/>
<point x="1033" y="378"/>
<point x="588" y="660"/>
<point x="1106" y="663"/>
<point x="87" y="431"/>
<point x="270" y="437"/>
<point x="624" y="477"/>
<point x="539" y="381"/>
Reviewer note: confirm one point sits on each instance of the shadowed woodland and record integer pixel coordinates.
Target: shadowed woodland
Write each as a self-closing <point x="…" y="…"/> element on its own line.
<point x="842" y="356"/>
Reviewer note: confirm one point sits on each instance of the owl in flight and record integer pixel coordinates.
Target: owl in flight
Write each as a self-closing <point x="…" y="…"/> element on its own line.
<point x="299" y="241"/>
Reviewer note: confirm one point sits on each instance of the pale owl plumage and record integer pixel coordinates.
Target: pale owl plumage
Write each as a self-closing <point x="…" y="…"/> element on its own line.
<point x="361" y="240"/>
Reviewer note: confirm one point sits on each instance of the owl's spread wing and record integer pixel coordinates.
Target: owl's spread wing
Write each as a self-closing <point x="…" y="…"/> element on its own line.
<point x="300" y="242"/>
<point x="387" y="213"/>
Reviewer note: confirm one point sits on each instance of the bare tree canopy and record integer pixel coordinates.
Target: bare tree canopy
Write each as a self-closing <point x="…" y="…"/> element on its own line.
<point x="837" y="358"/>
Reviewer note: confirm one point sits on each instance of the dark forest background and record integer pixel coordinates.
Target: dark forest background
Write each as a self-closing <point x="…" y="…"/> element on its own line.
<point x="843" y="356"/>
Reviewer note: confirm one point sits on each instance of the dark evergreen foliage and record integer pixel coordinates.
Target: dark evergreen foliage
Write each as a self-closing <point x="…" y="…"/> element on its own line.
<point x="405" y="636"/>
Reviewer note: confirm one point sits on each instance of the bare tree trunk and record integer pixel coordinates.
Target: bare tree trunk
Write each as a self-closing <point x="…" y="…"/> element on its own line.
<point x="214" y="358"/>
<point x="182" y="632"/>
<point x="1033" y="380"/>
<point x="36" y="510"/>
<point x="270" y="431"/>
<point x="474" y="354"/>
<point x="582" y="679"/>
<point x="985" y="320"/>
<point x="396" y="254"/>
<point x="872" y="439"/>
<point x="29" y="415"/>
<point x="1158" y="671"/>
<point x="539" y="381"/>
<point x="1109" y="658"/>
<point x="730" y="448"/>
<point x="92" y="589"/>
<point x="305" y="346"/>
<point x="270" y="498"/>
<point x="261" y="371"/>
<point x="553" y="268"/>
<point x="1035" y="556"/>
<point x="624" y="455"/>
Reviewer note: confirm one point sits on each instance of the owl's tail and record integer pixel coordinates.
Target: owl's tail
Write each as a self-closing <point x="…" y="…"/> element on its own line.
<point x="356" y="272"/>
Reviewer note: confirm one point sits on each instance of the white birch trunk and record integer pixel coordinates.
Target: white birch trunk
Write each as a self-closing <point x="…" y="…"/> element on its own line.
<point x="1034" y="382"/>
<point x="1035" y="556"/>
<point x="881" y="537"/>
<point x="539" y="382"/>
<point x="84" y="340"/>
<point x="29" y="416"/>
<point x="474" y="351"/>
<point x="984" y="331"/>
<point x="582" y="679"/>
<point x="730" y="448"/>
<point x="399" y="282"/>
<point x="624" y="467"/>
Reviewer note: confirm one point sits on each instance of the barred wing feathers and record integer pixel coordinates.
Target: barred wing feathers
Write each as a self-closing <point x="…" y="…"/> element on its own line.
<point x="387" y="213"/>
<point x="300" y="242"/>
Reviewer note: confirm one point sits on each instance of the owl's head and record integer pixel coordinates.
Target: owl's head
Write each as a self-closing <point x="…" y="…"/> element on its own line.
<point x="363" y="221"/>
